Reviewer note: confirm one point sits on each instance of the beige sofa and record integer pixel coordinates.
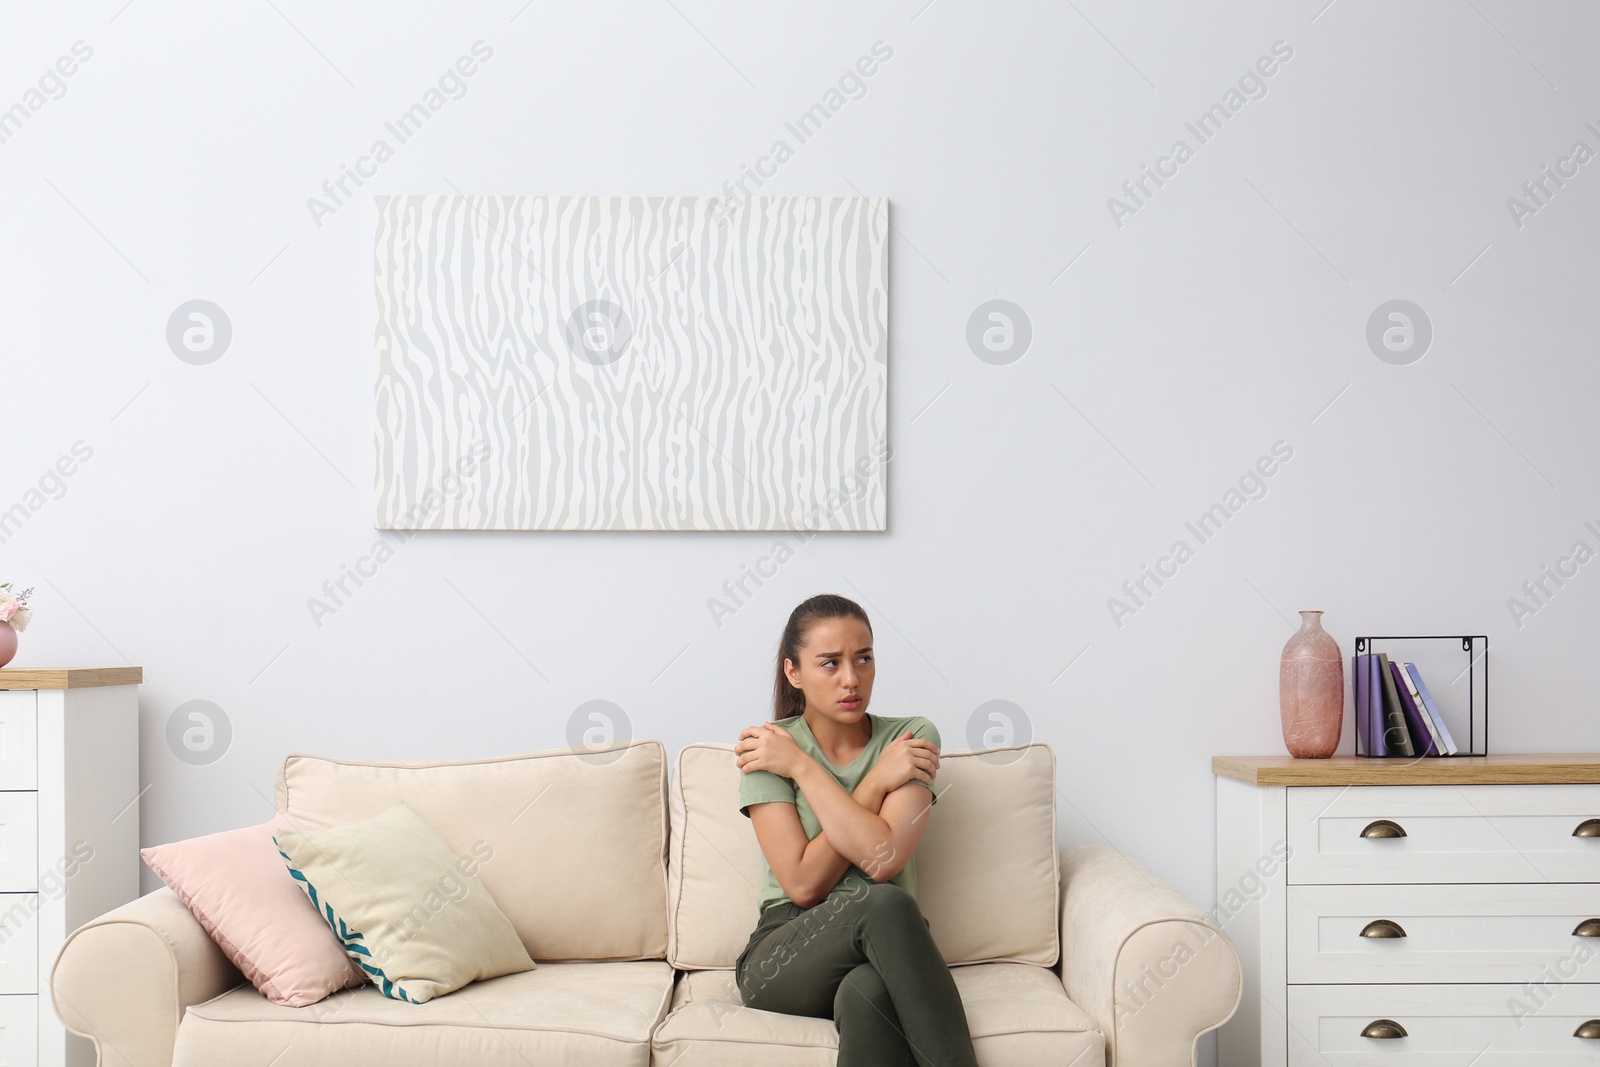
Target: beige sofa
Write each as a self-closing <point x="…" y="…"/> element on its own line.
<point x="635" y="891"/>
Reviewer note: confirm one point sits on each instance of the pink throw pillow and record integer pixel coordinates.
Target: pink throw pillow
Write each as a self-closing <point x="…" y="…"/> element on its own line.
<point x="238" y="887"/>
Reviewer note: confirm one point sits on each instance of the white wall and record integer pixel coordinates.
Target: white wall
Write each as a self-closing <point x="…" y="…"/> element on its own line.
<point x="1227" y="313"/>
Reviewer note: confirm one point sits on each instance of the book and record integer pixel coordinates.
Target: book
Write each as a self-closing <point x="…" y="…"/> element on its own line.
<point x="1380" y="730"/>
<point x="1450" y="746"/>
<point x="1413" y="699"/>
<point x="1395" y="735"/>
<point x="1358" y="686"/>
<point x="1416" y="718"/>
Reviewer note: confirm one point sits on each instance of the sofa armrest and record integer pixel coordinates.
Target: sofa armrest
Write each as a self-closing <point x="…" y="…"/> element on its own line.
<point x="1150" y="968"/>
<point x="123" y="980"/>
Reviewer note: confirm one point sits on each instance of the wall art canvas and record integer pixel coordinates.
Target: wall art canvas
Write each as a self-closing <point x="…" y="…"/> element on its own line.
<point x="631" y="363"/>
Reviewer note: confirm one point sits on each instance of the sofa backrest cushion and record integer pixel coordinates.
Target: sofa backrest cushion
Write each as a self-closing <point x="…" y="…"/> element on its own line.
<point x="988" y="872"/>
<point x="571" y="844"/>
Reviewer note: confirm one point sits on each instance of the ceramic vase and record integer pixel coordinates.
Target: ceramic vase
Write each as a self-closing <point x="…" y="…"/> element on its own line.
<point x="8" y="643"/>
<point x="1311" y="690"/>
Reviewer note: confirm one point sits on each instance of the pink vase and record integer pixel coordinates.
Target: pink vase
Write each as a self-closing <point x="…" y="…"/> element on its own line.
<point x="8" y="643"/>
<point x="1311" y="690"/>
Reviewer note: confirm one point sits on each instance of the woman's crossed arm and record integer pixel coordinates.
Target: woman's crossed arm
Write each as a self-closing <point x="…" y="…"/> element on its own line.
<point x="882" y="822"/>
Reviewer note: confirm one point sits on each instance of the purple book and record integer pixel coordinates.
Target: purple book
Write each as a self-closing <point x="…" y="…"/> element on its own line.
<point x="1420" y="735"/>
<point x="1358" y="668"/>
<point x="1432" y="709"/>
<point x="1380" y="728"/>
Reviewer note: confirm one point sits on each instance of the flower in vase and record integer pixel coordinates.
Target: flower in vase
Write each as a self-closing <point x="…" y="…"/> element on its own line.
<point x="14" y="607"/>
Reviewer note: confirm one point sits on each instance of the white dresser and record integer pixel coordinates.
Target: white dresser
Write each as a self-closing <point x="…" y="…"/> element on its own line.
<point x="1391" y="913"/>
<point x="69" y="836"/>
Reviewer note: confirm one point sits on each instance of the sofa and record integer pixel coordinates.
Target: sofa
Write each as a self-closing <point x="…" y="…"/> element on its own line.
<point x="634" y="890"/>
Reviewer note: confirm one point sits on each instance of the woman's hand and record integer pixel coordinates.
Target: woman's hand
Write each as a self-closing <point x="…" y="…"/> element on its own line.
<point x="904" y="759"/>
<point x="769" y="748"/>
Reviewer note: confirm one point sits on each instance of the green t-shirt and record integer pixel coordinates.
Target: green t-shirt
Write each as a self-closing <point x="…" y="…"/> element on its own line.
<point x="757" y="787"/>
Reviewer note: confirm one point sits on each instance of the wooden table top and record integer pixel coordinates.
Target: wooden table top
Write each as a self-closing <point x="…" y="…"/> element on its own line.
<point x="68" y="677"/>
<point x="1581" y="768"/>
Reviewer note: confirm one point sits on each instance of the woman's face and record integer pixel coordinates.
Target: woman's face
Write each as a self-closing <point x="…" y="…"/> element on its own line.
<point x="835" y="669"/>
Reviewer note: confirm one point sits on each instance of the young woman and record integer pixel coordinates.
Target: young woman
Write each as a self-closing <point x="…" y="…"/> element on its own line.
<point x="839" y="800"/>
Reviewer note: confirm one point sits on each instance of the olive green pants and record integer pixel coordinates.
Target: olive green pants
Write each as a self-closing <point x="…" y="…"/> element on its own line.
<point x="865" y="958"/>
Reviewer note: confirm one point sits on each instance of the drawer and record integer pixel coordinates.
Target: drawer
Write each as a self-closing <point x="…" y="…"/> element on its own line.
<point x="19" y="943"/>
<point x="19" y="842"/>
<point x="1445" y="1026"/>
<point x="1448" y="933"/>
<point x="19" y="1031"/>
<point x="1442" y="833"/>
<point x="19" y="726"/>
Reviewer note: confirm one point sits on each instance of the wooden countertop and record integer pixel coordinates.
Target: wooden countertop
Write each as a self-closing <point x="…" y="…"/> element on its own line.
<point x="68" y="677"/>
<point x="1581" y="768"/>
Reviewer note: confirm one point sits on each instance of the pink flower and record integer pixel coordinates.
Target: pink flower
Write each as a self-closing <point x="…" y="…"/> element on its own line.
<point x="8" y="608"/>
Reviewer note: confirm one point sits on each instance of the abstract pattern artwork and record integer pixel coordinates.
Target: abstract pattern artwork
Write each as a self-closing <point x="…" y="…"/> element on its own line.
<point x="631" y="363"/>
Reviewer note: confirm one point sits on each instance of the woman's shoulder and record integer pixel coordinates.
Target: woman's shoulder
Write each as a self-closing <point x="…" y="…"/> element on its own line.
<point x="919" y="725"/>
<point x="796" y="726"/>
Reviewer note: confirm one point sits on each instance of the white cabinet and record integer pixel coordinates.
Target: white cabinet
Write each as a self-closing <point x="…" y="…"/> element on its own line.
<point x="69" y="837"/>
<point x="1447" y="833"/>
<point x="1453" y="1025"/>
<point x="1397" y="913"/>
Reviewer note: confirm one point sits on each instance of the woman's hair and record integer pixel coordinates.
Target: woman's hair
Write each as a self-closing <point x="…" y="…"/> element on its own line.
<point x="786" y="699"/>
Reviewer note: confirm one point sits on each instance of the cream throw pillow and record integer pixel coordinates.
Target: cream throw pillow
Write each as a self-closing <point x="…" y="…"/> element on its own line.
<point x="412" y="914"/>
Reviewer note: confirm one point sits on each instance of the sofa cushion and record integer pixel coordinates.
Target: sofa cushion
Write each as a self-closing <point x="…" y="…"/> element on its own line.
<point x="1017" y="1014"/>
<point x="573" y="842"/>
<point x="589" y="1013"/>
<point x="407" y="909"/>
<point x="235" y="884"/>
<point x="987" y="869"/>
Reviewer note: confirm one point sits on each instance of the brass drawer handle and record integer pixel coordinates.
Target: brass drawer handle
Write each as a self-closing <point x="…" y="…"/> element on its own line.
<point x="1588" y="828"/>
<point x="1588" y="928"/>
<point x="1386" y="928"/>
<point x="1590" y="1030"/>
<point x="1386" y="828"/>
<point x="1388" y="1028"/>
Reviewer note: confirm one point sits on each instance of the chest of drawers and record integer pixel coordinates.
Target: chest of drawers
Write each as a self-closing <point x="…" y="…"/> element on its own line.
<point x="69" y="836"/>
<point x="1398" y="913"/>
